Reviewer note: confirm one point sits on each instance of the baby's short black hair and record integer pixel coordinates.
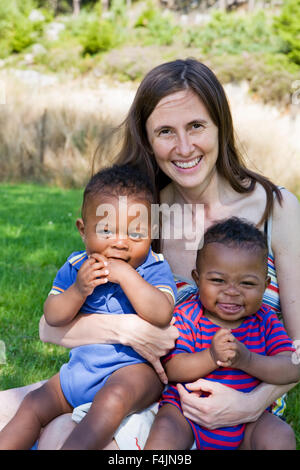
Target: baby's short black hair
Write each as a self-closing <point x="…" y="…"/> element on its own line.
<point x="119" y="180"/>
<point x="237" y="233"/>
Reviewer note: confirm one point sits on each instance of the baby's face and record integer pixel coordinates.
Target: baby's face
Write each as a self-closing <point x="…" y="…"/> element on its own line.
<point x="231" y="283"/>
<point x="117" y="228"/>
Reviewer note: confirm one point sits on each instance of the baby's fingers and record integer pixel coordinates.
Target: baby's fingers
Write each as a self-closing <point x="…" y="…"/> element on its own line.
<point x="224" y="364"/>
<point x="99" y="258"/>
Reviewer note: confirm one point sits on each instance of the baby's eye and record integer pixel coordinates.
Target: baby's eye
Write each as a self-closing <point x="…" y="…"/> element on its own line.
<point x="104" y="233"/>
<point x="217" y="280"/>
<point x="136" y="235"/>
<point x="248" y="283"/>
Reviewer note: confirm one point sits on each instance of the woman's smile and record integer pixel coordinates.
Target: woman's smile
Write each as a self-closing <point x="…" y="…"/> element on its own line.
<point x="187" y="164"/>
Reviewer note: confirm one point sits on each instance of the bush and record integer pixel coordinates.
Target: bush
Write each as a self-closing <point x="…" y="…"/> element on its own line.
<point x="154" y="28"/>
<point x="287" y="26"/>
<point x="17" y="32"/>
<point x="232" y="33"/>
<point x="99" y="36"/>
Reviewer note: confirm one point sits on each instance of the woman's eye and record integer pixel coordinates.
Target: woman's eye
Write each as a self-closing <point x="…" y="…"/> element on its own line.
<point x="165" y="132"/>
<point x="197" y="125"/>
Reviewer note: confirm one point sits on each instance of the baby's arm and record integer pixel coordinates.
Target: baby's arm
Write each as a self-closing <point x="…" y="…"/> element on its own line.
<point x="150" y="303"/>
<point x="60" y="309"/>
<point x="188" y="367"/>
<point x="278" y="369"/>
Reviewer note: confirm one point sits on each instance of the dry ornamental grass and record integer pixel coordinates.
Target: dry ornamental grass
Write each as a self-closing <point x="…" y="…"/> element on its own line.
<point x="50" y="133"/>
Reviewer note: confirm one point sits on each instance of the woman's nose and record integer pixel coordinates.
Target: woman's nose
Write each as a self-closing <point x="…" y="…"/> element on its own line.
<point x="184" y="145"/>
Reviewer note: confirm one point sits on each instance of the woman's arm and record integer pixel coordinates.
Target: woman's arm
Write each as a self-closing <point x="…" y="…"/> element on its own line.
<point x="286" y="248"/>
<point x="149" y="341"/>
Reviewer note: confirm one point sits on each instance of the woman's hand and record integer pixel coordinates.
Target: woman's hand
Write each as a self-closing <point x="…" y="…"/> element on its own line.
<point x="223" y="407"/>
<point x="148" y="340"/>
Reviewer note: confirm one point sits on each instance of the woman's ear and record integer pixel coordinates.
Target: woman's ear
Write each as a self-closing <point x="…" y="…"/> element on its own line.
<point x="80" y="228"/>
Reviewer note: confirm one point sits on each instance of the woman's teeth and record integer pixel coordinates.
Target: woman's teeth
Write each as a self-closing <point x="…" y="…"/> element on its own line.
<point x="189" y="164"/>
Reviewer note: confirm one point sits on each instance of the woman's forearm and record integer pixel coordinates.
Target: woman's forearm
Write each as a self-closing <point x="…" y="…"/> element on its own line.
<point x="84" y="329"/>
<point x="262" y="397"/>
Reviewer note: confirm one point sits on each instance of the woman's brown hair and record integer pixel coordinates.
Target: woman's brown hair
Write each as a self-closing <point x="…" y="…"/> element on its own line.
<point x="169" y="78"/>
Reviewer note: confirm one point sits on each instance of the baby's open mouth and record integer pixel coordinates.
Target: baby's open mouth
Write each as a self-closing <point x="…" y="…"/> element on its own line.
<point x="230" y="308"/>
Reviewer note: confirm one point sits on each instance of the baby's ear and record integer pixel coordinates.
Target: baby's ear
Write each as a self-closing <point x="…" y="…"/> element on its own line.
<point x="195" y="275"/>
<point x="80" y="227"/>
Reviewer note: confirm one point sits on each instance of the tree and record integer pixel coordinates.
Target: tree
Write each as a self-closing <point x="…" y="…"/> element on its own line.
<point x="76" y="7"/>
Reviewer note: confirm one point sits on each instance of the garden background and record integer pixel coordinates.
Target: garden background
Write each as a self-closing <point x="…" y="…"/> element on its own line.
<point x="68" y="73"/>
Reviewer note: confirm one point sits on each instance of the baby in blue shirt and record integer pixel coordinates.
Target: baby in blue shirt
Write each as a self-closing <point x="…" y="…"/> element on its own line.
<point x="118" y="273"/>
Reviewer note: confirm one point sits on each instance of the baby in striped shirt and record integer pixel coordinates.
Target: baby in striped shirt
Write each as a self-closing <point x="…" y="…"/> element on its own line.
<point x="226" y="335"/>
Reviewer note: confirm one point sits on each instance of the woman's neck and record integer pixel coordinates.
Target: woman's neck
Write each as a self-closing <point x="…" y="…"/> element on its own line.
<point x="212" y="192"/>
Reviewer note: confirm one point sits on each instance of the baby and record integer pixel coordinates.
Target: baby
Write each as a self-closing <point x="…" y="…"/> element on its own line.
<point x="227" y="336"/>
<point x="118" y="273"/>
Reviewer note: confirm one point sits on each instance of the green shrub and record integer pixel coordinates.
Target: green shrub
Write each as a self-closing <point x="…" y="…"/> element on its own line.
<point x="287" y="26"/>
<point x="99" y="36"/>
<point x="232" y="33"/>
<point x="154" y="28"/>
<point x="17" y="32"/>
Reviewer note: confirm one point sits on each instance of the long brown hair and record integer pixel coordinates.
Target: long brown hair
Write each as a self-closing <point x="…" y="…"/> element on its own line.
<point x="169" y="78"/>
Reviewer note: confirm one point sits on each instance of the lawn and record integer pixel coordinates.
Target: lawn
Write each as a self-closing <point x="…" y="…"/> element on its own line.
<point x="37" y="233"/>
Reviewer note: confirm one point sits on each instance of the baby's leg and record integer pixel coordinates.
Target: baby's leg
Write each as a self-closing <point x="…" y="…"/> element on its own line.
<point x="269" y="433"/>
<point x="170" y="430"/>
<point x="11" y="399"/>
<point x="37" y="409"/>
<point x="128" y="390"/>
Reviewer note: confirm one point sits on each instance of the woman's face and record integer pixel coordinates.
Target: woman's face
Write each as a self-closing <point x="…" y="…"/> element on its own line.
<point x="184" y="138"/>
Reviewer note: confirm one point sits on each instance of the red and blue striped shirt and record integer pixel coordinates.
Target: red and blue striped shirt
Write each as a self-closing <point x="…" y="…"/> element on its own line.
<point x="261" y="332"/>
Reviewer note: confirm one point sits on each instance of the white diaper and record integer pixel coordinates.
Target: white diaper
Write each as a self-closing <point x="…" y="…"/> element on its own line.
<point x="133" y="431"/>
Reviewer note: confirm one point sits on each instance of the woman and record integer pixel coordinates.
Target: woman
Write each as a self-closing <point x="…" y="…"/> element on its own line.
<point x="179" y="129"/>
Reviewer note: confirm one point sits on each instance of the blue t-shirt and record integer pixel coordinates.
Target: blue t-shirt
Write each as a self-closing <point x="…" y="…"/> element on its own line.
<point x="91" y="365"/>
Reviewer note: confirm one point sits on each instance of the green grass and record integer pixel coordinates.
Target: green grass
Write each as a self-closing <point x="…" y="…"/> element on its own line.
<point x="37" y="233"/>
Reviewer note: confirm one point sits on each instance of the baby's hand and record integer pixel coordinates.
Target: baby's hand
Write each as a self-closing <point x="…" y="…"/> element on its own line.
<point x="117" y="270"/>
<point x="91" y="274"/>
<point x="223" y="348"/>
